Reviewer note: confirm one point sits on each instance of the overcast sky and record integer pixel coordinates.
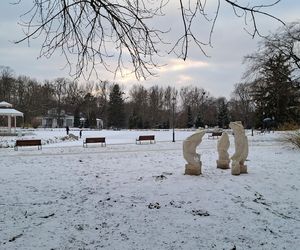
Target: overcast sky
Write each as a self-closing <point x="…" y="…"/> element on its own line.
<point x="217" y="73"/>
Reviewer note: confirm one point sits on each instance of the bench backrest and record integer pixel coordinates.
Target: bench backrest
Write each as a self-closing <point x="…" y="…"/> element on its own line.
<point x="95" y="139"/>
<point x="146" y="137"/>
<point x="28" y="142"/>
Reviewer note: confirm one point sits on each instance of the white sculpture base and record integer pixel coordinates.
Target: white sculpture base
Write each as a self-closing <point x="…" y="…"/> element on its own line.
<point x="238" y="168"/>
<point x="243" y="169"/>
<point x="223" y="164"/>
<point x="193" y="169"/>
<point x="235" y="169"/>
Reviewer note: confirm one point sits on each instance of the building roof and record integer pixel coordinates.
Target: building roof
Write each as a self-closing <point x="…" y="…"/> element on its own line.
<point x="12" y="112"/>
<point x="5" y="105"/>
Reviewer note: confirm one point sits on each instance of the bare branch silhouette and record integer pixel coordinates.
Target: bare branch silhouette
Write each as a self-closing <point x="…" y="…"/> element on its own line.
<point x="92" y="32"/>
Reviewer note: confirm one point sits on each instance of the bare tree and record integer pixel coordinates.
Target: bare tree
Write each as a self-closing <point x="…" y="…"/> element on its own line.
<point x="60" y="91"/>
<point x="138" y="103"/>
<point x="286" y="41"/>
<point x="92" y="32"/>
<point x="6" y="83"/>
<point x="102" y="93"/>
<point x="195" y="98"/>
<point x="242" y="104"/>
<point x="156" y="100"/>
<point x="191" y="10"/>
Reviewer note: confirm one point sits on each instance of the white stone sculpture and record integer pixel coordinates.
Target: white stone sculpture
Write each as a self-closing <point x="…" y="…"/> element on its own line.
<point x="222" y="147"/>
<point x="244" y="156"/>
<point x="190" y="155"/>
<point x="241" y="149"/>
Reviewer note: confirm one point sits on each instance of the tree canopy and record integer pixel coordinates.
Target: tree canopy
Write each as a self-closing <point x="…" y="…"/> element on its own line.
<point x="89" y="33"/>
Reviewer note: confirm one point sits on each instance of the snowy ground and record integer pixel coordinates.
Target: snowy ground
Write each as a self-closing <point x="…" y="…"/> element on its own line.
<point x="128" y="196"/>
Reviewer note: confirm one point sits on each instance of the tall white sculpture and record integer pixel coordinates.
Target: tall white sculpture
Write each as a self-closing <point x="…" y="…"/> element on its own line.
<point x="190" y="155"/>
<point x="222" y="147"/>
<point x="241" y="149"/>
<point x="244" y="156"/>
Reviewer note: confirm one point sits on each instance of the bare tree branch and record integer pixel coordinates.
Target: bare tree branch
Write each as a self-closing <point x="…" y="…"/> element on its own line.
<point x="93" y="32"/>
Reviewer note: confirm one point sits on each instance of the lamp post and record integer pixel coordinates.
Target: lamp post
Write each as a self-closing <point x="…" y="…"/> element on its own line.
<point x="173" y="117"/>
<point x="203" y="94"/>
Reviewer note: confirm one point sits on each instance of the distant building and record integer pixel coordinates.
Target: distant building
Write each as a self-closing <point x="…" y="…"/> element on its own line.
<point x="99" y="123"/>
<point x="53" y="120"/>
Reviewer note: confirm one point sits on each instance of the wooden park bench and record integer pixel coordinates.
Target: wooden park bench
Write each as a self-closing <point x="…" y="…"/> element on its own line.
<point x="24" y="143"/>
<point x="141" y="138"/>
<point x="94" y="140"/>
<point x="214" y="134"/>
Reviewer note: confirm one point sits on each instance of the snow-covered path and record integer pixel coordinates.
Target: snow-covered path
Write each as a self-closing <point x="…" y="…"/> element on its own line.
<point x="128" y="196"/>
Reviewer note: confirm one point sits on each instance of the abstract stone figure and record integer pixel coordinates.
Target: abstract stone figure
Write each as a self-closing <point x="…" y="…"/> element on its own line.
<point x="189" y="153"/>
<point x="222" y="146"/>
<point x="241" y="148"/>
<point x="244" y="156"/>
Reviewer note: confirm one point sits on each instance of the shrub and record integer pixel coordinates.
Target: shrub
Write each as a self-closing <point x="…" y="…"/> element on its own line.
<point x="293" y="138"/>
<point x="35" y="123"/>
<point x="288" y="126"/>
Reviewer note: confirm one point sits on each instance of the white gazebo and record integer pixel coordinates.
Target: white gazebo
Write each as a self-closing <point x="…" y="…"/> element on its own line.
<point x="6" y="110"/>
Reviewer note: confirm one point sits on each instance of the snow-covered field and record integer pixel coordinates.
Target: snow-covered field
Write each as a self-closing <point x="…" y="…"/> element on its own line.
<point x="128" y="196"/>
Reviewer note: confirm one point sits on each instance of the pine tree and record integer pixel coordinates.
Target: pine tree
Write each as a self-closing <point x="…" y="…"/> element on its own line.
<point x="76" y="118"/>
<point x="199" y="121"/>
<point x="93" y="121"/>
<point x="223" y="117"/>
<point x="190" y="122"/>
<point x="87" y="123"/>
<point x="275" y="93"/>
<point x="116" y="114"/>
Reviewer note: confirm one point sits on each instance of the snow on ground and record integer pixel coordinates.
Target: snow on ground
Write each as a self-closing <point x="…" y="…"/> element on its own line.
<point x="128" y="196"/>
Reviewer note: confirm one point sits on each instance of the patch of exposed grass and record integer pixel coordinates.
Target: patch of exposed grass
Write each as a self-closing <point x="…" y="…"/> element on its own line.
<point x="293" y="138"/>
<point x="288" y="126"/>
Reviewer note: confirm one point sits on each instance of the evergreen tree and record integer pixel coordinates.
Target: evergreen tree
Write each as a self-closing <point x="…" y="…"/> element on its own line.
<point x="223" y="117"/>
<point x="275" y="94"/>
<point x="76" y="118"/>
<point x="116" y="114"/>
<point x="93" y="121"/>
<point x="87" y="123"/>
<point x="190" y="122"/>
<point x="132" y="122"/>
<point x="199" y="121"/>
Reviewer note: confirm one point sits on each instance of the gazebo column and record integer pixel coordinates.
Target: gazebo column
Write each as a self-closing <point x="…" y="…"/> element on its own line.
<point x="9" y="124"/>
<point x="15" y="127"/>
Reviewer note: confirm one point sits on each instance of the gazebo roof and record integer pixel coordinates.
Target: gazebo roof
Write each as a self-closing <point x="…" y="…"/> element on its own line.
<point x="11" y="112"/>
<point x="7" y="110"/>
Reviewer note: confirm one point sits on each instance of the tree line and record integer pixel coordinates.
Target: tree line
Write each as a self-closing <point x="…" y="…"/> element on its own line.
<point x="137" y="108"/>
<point x="270" y="88"/>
